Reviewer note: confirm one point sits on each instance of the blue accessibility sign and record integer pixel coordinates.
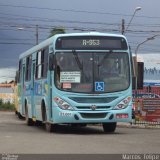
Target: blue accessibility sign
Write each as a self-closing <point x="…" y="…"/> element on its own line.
<point x="99" y="86"/>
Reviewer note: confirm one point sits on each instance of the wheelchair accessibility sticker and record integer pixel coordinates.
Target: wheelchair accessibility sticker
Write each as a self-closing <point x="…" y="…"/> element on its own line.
<point x="99" y="86"/>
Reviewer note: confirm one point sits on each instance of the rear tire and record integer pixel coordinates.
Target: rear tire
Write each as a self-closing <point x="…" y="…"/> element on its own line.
<point x="109" y="127"/>
<point x="38" y="123"/>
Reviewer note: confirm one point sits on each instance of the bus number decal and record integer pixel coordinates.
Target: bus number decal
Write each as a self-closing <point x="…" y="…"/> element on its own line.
<point x="91" y="42"/>
<point x="65" y="114"/>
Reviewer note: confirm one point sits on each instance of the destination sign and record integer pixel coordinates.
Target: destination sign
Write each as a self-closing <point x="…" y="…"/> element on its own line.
<point x="91" y="42"/>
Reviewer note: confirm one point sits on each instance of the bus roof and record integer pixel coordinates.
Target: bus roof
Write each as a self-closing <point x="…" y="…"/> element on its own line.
<point x="50" y="40"/>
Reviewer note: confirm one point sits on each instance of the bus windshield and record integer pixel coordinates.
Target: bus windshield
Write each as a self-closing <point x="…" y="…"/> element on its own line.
<point x="79" y="71"/>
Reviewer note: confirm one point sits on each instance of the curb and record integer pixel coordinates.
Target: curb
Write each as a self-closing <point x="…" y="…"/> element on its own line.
<point x="140" y="126"/>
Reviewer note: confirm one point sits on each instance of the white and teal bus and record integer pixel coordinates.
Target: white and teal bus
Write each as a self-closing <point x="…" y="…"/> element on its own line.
<point x="77" y="79"/>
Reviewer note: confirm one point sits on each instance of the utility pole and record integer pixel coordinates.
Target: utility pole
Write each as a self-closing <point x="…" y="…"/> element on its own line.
<point x="36" y="34"/>
<point x="123" y="26"/>
<point x="124" y="29"/>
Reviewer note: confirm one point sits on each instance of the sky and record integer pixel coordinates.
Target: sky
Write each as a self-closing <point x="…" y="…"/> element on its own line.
<point x="18" y="20"/>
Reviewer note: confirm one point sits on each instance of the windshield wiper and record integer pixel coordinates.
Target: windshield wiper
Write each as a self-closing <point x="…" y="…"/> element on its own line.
<point x="80" y="65"/>
<point x="105" y="56"/>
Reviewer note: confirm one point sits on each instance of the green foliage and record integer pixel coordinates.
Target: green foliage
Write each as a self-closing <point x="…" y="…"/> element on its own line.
<point x="1" y="102"/>
<point x="7" y="106"/>
<point x="57" y="30"/>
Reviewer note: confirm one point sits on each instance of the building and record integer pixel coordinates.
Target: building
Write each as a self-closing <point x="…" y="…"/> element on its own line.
<point x="7" y="93"/>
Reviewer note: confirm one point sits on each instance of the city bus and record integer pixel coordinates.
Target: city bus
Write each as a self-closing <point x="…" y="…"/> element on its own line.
<point x="76" y="79"/>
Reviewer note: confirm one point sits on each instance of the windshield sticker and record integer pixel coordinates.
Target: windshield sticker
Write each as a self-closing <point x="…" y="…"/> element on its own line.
<point x="66" y="85"/>
<point x="70" y="77"/>
<point x="84" y="86"/>
<point x="99" y="86"/>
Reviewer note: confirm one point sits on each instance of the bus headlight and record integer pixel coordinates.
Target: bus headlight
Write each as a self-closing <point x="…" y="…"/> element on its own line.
<point x="63" y="104"/>
<point x="123" y="104"/>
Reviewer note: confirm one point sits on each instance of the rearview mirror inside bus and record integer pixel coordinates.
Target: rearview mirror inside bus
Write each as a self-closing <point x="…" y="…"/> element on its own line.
<point x="51" y="62"/>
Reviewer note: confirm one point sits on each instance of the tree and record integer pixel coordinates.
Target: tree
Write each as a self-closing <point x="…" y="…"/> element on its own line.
<point x="57" y="30"/>
<point x="1" y="102"/>
<point x="5" y="82"/>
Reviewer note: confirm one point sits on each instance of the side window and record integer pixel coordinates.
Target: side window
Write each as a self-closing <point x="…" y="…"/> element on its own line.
<point x="28" y="68"/>
<point x="38" y="65"/>
<point x="42" y="63"/>
<point x="20" y="71"/>
<point x="44" y="60"/>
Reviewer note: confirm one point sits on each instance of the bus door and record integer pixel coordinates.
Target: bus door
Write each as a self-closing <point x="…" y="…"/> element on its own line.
<point x="32" y="88"/>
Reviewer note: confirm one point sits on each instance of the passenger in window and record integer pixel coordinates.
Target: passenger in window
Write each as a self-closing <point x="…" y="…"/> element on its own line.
<point x="109" y="68"/>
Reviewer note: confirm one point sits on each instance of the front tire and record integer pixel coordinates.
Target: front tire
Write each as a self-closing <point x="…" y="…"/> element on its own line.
<point x="29" y="121"/>
<point x="49" y="126"/>
<point x="109" y="127"/>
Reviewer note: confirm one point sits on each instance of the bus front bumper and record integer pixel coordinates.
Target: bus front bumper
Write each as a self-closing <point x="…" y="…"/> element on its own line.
<point x="66" y="116"/>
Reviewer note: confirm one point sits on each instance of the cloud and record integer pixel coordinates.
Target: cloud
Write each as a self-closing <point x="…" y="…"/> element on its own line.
<point x="7" y="74"/>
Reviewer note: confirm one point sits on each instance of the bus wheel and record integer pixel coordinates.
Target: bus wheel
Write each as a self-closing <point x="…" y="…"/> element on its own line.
<point x="49" y="126"/>
<point x="29" y="121"/>
<point x="109" y="127"/>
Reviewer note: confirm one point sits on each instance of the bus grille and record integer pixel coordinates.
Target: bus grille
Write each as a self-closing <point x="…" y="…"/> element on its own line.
<point x="93" y="99"/>
<point x="89" y="107"/>
<point x="93" y="115"/>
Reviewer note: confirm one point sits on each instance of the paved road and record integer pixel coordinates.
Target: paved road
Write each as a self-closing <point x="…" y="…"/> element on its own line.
<point x="16" y="137"/>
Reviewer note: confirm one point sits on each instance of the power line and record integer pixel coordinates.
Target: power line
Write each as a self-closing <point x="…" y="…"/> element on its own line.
<point x="16" y="43"/>
<point x="47" y="27"/>
<point x="62" y="21"/>
<point x="20" y="39"/>
<point x="63" y="10"/>
<point x="78" y="22"/>
<point x="134" y="33"/>
<point x="51" y="20"/>
<point x="80" y="28"/>
<point x="77" y="11"/>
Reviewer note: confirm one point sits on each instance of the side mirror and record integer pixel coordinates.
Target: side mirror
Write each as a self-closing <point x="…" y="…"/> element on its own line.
<point x="133" y="82"/>
<point x="140" y="74"/>
<point x="137" y="74"/>
<point x="51" y="62"/>
<point x="138" y="81"/>
<point x="17" y="77"/>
